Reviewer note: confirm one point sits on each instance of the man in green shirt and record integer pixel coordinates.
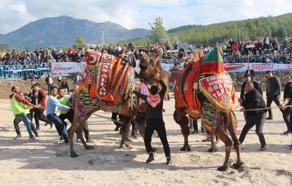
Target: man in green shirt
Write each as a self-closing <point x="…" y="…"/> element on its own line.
<point x="19" y="105"/>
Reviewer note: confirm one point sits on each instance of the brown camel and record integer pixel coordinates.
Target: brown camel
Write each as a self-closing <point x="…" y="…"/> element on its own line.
<point x="118" y="98"/>
<point x="85" y="105"/>
<point x="215" y="108"/>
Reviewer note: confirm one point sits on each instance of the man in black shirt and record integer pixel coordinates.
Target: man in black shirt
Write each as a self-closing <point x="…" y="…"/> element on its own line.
<point x="154" y="120"/>
<point x="248" y="78"/>
<point x="253" y="100"/>
<point x="273" y="92"/>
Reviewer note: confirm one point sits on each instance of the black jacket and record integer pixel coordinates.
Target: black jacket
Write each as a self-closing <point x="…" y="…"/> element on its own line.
<point x="288" y="92"/>
<point x="253" y="100"/>
<point x="256" y="86"/>
<point x="273" y="87"/>
<point x="156" y="112"/>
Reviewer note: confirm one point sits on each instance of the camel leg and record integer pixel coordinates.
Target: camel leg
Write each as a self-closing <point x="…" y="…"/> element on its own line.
<point x="71" y="132"/>
<point x="222" y="134"/>
<point x="80" y="136"/>
<point x="232" y="132"/>
<point x="185" y="132"/>
<point x="140" y="120"/>
<point x="180" y="117"/>
<point x="141" y="126"/>
<point x="213" y="145"/>
<point x="134" y="129"/>
<point x="124" y="132"/>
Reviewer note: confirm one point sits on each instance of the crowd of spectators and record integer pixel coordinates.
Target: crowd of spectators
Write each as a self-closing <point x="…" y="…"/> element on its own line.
<point x="268" y="50"/>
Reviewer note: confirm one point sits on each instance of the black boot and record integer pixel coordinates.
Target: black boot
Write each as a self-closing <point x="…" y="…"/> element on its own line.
<point x="150" y="158"/>
<point x="262" y="141"/>
<point x="168" y="160"/>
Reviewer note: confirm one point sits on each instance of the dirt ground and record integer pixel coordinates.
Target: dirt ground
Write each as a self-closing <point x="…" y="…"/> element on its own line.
<point x="47" y="163"/>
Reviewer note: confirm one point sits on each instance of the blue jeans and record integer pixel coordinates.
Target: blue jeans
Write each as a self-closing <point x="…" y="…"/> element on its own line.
<point x="26" y="122"/>
<point x="60" y="126"/>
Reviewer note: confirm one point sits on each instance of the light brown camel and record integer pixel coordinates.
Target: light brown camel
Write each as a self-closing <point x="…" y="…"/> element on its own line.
<point x="212" y="101"/>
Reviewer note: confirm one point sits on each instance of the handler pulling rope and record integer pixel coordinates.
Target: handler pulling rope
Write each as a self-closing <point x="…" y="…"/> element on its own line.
<point x="108" y="118"/>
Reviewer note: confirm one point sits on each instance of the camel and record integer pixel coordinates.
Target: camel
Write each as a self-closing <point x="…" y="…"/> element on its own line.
<point x="199" y="95"/>
<point x="106" y="85"/>
<point x="124" y="102"/>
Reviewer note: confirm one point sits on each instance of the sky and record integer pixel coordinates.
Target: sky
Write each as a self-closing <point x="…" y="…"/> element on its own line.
<point x="139" y="13"/>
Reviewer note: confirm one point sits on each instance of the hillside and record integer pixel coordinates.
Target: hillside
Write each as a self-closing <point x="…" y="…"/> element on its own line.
<point x="257" y="28"/>
<point x="61" y="31"/>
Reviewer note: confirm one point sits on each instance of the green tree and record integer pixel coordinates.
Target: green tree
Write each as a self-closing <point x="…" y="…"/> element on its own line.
<point x="158" y="31"/>
<point x="4" y="48"/>
<point x="79" y="42"/>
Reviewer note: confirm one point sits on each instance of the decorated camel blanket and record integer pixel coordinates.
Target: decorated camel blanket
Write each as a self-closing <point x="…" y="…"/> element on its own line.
<point x="106" y="83"/>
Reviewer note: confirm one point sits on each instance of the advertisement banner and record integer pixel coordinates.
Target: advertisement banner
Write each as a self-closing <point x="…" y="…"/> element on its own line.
<point x="67" y="67"/>
<point x="258" y="67"/>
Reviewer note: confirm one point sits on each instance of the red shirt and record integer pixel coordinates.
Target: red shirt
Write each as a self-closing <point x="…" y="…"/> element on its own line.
<point x="19" y="98"/>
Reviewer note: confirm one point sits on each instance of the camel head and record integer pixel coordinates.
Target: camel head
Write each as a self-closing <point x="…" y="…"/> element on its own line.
<point x="91" y="58"/>
<point x="150" y="65"/>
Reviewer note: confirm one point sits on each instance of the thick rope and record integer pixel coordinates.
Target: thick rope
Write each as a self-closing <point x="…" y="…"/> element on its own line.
<point x="259" y="109"/>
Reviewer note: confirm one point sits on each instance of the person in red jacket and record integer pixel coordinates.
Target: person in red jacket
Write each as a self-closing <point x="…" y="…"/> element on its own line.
<point x="38" y="97"/>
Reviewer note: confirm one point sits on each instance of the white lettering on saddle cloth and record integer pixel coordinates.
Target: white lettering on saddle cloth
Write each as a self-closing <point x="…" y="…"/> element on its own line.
<point x="218" y="89"/>
<point x="103" y="83"/>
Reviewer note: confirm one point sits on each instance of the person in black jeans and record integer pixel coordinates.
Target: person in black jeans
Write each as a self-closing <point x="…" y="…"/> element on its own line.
<point x="38" y="97"/>
<point x="287" y="112"/>
<point x="154" y="120"/>
<point x="253" y="100"/>
<point x="273" y="92"/>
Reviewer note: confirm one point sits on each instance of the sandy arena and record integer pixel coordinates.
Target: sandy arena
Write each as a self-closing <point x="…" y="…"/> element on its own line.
<point x="47" y="163"/>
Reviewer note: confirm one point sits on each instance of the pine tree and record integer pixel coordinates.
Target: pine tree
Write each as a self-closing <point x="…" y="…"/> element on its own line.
<point x="79" y="42"/>
<point x="158" y="31"/>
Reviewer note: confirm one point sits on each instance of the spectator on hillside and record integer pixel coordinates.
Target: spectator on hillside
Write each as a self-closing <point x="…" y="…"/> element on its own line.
<point x="267" y="42"/>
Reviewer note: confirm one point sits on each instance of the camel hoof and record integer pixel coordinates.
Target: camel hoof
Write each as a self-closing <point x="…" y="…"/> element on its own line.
<point x="238" y="166"/>
<point x="223" y="168"/>
<point x="128" y="146"/>
<point x="73" y="154"/>
<point x="125" y="146"/>
<point x="129" y="140"/>
<point x="186" y="148"/>
<point x="89" y="147"/>
<point x="212" y="150"/>
<point x="134" y="136"/>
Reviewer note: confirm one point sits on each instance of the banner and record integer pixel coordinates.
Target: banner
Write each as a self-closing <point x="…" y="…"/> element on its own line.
<point x="67" y="67"/>
<point x="258" y="67"/>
